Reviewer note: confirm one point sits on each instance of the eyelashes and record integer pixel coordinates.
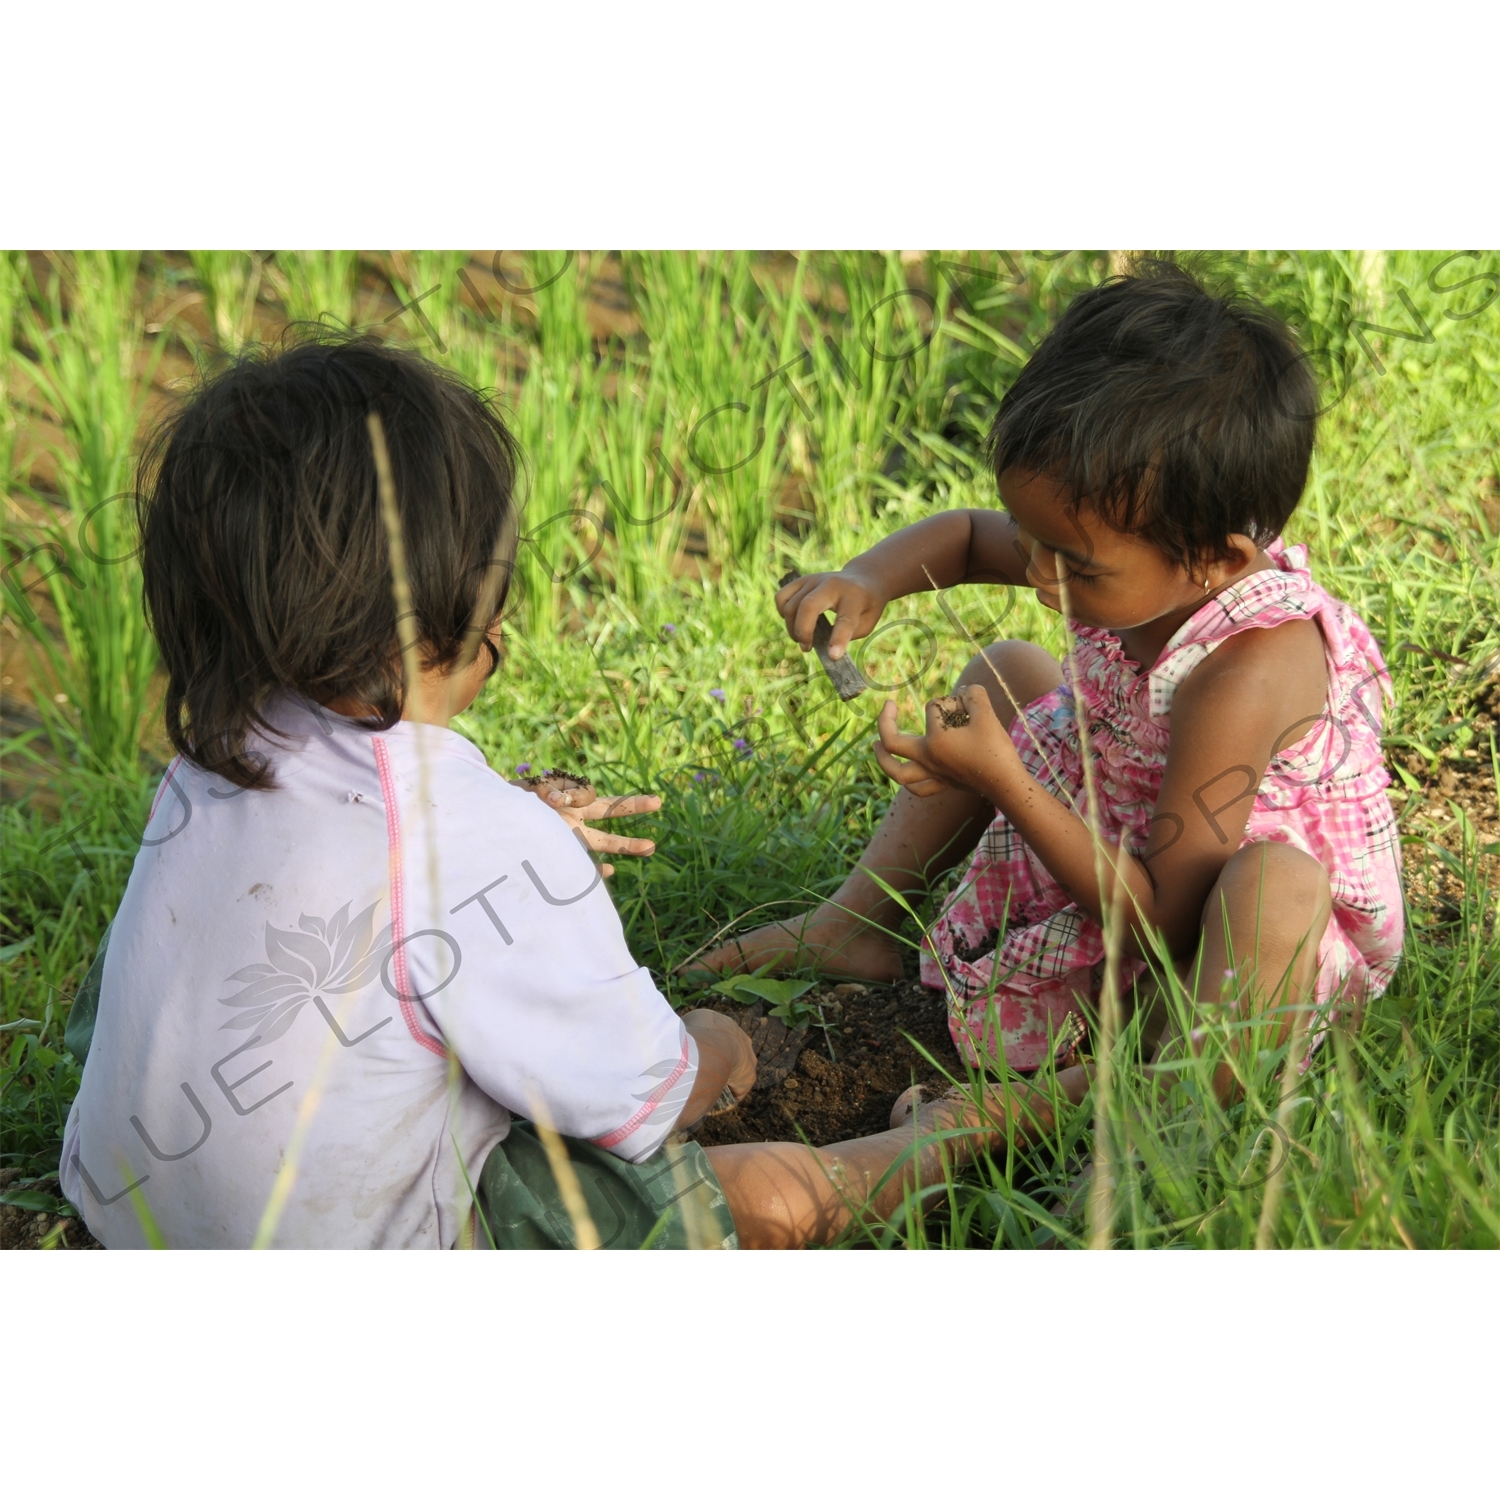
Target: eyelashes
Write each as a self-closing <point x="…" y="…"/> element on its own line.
<point x="1061" y="572"/>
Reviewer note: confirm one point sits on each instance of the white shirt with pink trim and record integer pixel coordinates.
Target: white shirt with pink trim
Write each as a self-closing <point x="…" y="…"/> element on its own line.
<point x="322" y="1003"/>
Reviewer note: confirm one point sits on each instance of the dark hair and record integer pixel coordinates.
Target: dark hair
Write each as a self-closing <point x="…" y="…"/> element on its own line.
<point x="1173" y="413"/>
<point x="264" y="553"/>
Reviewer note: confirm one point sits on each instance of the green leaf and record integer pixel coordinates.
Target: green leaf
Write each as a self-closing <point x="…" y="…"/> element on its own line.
<point x="34" y="1202"/>
<point x="748" y="988"/>
<point x="13" y="950"/>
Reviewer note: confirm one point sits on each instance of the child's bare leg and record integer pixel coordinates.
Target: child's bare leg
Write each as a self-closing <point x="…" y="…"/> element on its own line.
<point x="784" y="1196"/>
<point x="1263" y="921"/>
<point x="1275" y="903"/>
<point x="1149" y="998"/>
<point x="918" y="839"/>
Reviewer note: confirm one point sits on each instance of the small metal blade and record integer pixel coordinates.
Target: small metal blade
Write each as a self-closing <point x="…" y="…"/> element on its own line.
<point x="842" y="672"/>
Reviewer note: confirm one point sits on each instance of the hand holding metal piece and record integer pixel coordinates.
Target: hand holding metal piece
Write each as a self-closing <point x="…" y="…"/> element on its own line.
<point x="842" y="672"/>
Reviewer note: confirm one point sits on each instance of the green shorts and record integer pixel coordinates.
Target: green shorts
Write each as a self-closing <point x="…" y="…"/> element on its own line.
<point x="672" y="1201"/>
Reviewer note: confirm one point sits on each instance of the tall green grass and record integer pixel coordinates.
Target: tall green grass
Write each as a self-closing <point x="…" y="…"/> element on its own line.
<point x="87" y="362"/>
<point x="12" y="265"/>
<point x="316" y="285"/>
<point x="790" y="410"/>
<point x="231" y="283"/>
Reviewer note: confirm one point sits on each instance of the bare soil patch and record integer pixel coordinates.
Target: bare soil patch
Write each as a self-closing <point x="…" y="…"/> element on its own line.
<point x="825" y="1084"/>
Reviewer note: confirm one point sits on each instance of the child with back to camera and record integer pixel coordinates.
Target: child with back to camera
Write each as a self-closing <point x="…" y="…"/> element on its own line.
<point x="354" y="968"/>
<point x="1148" y="456"/>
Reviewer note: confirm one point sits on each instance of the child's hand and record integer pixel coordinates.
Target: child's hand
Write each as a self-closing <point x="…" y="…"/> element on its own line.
<point x="975" y="753"/>
<point x="719" y="1035"/>
<point x="578" y="804"/>
<point x="856" y="606"/>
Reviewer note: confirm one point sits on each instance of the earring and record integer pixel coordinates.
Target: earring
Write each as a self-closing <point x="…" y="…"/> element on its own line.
<point x="1205" y="585"/>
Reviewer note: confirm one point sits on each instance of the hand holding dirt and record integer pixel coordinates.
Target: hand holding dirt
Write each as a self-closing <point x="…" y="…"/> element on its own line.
<point x="559" y="780"/>
<point x="573" y="797"/>
<point x="965" y="746"/>
<point x="952" y="712"/>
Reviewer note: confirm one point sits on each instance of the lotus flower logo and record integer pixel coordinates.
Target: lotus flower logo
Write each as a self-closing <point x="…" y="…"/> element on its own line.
<point x="332" y="957"/>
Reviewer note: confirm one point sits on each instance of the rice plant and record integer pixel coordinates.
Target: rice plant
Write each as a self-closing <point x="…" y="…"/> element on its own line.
<point x="718" y="345"/>
<point x="231" y="282"/>
<point x="12" y="263"/>
<point x="554" y="415"/>
<point x="316" y="285"/>
<point x="90" y="367"/>
<point x="427" y="286"/>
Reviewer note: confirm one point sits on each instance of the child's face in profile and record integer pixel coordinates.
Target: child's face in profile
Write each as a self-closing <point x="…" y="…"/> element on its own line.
<point x="1115" y="579"/>
<point x="456" y="689"/>
<point x="441" y="693"/>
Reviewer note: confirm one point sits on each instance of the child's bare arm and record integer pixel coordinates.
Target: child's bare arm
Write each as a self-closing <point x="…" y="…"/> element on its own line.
<point x="958" y="546"/>
<point x="1259" y="691"/>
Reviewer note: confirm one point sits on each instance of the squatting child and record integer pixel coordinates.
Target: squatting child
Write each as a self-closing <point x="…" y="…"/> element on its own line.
<point x="349" y="954"/>
<point x="1148" y="456"/>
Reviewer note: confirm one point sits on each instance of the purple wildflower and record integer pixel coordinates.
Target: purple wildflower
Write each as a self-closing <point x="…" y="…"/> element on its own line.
<point x="716" y="693"/>
<point x="743" y="746"/>
<point x="669" y="630"/>
<point x="523" y="768"/>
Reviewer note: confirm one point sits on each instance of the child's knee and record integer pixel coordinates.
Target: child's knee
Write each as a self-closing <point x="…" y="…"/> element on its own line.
<point x="780" y="1193"/>
<point x="1014" y="673"/>
<point x="1275" y="886"/>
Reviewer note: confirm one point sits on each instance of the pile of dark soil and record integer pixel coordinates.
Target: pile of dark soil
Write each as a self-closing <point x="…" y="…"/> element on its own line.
<point x="830" y="1082"/>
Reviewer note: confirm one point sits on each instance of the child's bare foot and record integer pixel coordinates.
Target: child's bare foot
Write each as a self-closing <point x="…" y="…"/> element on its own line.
<point x="906" y="1102"/>
<point x="829" y="939"/>
<point x="1027" y="1103"/>
<point x="955" y="1107"/>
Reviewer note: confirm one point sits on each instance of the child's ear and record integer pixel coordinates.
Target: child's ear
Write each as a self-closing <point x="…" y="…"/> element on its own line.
<point x="1239" y="553"/>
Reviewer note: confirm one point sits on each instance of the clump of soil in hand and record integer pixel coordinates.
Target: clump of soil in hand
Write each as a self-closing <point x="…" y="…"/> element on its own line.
<point x="953" y="714"/>
<point x="557" y="779"/>
<point x="835" y="1084"/>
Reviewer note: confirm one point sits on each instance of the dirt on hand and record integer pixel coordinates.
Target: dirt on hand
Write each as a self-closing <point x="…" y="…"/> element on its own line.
<point x="558" y="779"/>
<point x="953" y="714"/>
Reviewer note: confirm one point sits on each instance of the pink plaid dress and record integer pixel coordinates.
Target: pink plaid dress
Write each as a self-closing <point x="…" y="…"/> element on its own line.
<point x="1014" y="953"/>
